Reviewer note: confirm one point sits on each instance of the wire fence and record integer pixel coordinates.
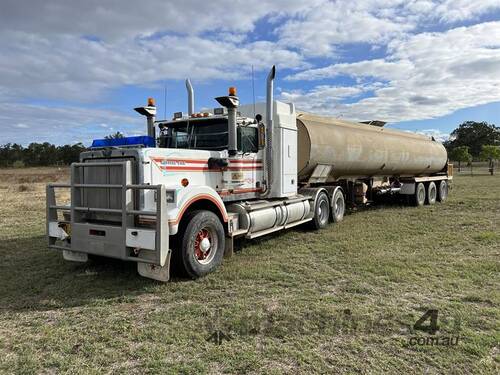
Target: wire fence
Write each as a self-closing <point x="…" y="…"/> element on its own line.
<point x="475" y="168"/>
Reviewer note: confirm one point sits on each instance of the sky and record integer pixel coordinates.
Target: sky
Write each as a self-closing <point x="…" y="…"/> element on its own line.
<point x="72" y="71"/>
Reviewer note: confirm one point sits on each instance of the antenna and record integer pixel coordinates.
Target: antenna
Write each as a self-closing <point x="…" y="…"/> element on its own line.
<point x="253" y="92"/>
<point x="165" y="101"/>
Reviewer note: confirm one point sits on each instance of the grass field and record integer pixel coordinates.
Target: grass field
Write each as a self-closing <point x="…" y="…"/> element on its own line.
<point x="340" y="300"/>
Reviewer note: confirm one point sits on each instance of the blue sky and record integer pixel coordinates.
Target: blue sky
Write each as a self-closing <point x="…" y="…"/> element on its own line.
<point x="73" y="71"/>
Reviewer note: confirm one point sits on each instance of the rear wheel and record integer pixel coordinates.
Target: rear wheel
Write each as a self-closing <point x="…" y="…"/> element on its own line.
<point x="322" y="211"/>
<point x="431" y="193"/>
<point x="202" y="245"/>
<point x="338" y="206"/>
<point x="442" y="193"/>
<point x="419" y="197"/>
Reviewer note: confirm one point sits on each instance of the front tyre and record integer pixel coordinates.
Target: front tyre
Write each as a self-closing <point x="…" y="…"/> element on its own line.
<point x="202" y="245"/>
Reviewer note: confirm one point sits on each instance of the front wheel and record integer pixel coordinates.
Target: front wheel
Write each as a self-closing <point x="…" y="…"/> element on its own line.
<point x="202" y="246"/>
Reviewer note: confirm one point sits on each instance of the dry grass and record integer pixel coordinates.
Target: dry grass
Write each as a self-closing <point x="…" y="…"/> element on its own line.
<point x="339" y="300"/>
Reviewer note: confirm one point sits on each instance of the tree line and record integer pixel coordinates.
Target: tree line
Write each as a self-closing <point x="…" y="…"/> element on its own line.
<point x="474" y="141"/>
<point x="42" y="154"/>
<point x="38" y="154"/>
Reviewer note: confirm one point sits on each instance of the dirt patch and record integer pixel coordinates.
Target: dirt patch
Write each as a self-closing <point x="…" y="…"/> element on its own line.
<point x="22" y="188"/>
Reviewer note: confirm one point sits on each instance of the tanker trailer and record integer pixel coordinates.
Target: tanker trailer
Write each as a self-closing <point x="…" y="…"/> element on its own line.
<point x="199" y="180"/>
<point x="370" y="159"/>
<point x="362" y="151"/>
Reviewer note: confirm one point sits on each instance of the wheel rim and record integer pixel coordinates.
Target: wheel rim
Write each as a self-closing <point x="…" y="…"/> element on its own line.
<point x="205" y="245"/>
<point x="421" y="195"/>
<point x="339" y="207"/>
<point x="444" y="191"/>
<point x="323" y="211"/>
<point x="432" y="194"/>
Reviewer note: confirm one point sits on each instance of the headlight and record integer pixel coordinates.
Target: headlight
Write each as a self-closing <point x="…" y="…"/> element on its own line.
<point x="170" y="194"/>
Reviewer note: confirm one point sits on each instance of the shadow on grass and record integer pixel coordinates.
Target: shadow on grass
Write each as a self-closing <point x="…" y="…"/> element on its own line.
<point x="37" y="278"/>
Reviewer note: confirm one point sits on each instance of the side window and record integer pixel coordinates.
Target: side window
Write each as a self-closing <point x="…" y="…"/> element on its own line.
<point x="181" y="138"/>
<point x="248" y="139"/>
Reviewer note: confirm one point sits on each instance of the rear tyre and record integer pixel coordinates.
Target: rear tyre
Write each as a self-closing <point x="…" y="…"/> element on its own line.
<point x="338" y="206"/>
<point x="431" y="193"/>
<point x="442" y="193"/>
<point x="202" y="246"/>
<point x="322" y="211"/>
<point x="419" y="197"/>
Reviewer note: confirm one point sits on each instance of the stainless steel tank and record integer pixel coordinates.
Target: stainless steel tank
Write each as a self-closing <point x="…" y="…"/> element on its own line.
<point x="360" y="150"/>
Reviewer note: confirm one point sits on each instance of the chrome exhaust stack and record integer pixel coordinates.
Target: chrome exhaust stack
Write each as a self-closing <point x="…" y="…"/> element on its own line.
<point x="190" y="92"/>
<point x="269" y="129"/>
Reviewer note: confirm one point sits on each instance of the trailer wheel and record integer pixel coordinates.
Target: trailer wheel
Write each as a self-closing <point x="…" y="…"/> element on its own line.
<point x="431" y="193"/>
<point x="419" y="197"/>
<point x="442" y="193"/>
<point x="202" y="246"/>
<point x="338" y="205"/>
<point x="321" y="211"/>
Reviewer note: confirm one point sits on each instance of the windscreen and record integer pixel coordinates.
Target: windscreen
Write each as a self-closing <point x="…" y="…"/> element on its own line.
<point x="209" y="134"/>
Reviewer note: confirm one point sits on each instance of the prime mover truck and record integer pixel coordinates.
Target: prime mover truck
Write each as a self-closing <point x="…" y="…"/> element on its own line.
<point x="184" y="192"/>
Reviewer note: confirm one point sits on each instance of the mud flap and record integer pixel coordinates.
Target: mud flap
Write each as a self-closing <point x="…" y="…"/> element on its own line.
<point x="74" y="256"/>
<point x="229" y="246"/>
<point x="155" y="272"/>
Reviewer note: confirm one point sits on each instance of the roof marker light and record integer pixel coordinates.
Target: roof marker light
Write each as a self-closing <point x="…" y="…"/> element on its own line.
<point x="232" y="91"/>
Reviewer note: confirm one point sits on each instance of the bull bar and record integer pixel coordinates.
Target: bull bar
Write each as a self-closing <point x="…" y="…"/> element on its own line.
<point x="120" y="240"/>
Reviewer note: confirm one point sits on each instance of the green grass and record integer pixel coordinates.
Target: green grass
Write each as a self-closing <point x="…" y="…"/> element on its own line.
<point x="340" y="300"/>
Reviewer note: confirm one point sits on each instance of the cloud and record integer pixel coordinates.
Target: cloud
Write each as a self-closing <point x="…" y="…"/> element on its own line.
<point x="62" y="125"/>
<point x="118" y="19"/>
<point x="437" y="134"/>
<point x="56" y="68"/>
<point x="424" y="76"/>
<point x="317" y="30"/>
<point x="380" y="68"/>
<point x="324" y="96"/>
<point x="459" y="10"/>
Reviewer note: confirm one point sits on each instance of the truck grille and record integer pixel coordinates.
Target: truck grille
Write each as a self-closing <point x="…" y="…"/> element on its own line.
<point x="104" y="198"/>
